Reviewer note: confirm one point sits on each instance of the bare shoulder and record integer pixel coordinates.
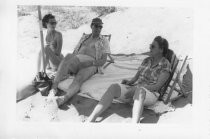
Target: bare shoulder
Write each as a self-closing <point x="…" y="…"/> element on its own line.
<point x="58" y="34"/>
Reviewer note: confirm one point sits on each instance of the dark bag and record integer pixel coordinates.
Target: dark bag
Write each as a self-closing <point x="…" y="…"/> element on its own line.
<point x="42" y="83"/>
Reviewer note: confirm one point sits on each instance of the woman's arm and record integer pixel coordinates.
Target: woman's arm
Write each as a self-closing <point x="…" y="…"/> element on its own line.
<point x="161" y="80"/>
<point x="59" y="44"/>
<point x="133" y="80"/>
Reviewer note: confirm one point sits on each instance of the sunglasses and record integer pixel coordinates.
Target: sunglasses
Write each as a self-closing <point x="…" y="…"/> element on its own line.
<point x="52" y="23"/>
<point x="152" y="46"/>
<point x="98" y="26"/>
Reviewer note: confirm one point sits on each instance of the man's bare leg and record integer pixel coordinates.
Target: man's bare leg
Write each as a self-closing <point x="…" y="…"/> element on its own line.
<point x="62" y="70"/>
<point x="80" y="78"/>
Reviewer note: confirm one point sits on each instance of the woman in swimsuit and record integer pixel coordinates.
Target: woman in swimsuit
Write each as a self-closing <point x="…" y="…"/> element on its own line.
<point x="53" y="44"/>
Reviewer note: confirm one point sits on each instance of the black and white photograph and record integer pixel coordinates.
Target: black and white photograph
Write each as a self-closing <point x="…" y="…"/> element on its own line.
<point x="104" y="64"/>
<point x="85" y="70"/>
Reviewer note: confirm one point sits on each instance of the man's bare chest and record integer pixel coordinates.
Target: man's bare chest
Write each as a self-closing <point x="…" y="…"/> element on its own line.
<point x="89" y="43"/>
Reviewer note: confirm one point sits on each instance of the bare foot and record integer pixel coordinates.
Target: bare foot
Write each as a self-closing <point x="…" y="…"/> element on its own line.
<point x="90" y="120"/>
<point x="127" y="120"/>
<point x="51" y="108"/>
<point x="60" y="100"/>
<point x="83" y="118"/>
<point x="52" y="93"/>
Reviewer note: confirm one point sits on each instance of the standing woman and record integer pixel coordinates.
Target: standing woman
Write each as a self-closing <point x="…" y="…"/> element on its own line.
<point x="53" y="44"/>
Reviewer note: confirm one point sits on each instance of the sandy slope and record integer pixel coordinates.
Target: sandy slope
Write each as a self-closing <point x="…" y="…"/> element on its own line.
<point x="132" y="31"/>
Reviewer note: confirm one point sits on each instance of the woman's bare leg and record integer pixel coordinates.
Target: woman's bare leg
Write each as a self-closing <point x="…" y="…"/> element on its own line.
<point x="49" y="57"/>
<point x="52" y="58"/>
<point x="137" y="110"/>
<point x="47" y="62"/>
<point x="112" y="92"/>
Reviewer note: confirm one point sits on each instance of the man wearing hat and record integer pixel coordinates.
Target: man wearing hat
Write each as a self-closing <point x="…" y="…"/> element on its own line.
<point x="89" y="55"/>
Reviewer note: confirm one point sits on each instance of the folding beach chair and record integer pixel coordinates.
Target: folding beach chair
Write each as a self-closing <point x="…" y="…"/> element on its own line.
<point x="177" y="85"/>
<point x="110" y="60"/>
<point x="166" y="96"/>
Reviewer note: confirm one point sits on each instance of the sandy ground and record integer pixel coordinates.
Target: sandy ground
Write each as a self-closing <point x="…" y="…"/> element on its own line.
<point x="132" y="32"/>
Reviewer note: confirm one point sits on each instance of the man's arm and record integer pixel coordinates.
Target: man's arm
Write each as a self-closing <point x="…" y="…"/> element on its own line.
<point x="101" y="61"/>
<point x="97" y="63"/>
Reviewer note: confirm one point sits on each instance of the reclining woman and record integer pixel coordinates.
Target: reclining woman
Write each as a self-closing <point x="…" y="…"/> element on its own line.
<point x="151" y="75"/>
<point x="53" y="44"/>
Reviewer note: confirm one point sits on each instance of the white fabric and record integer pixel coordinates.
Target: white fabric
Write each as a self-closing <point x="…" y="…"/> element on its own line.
<point x="160" y="107"/>
<point x="96" y="86"/>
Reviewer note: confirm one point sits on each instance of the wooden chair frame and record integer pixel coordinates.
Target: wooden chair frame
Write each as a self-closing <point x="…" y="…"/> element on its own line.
<point x="166" y="97"/>
<point x="177" y="81"/>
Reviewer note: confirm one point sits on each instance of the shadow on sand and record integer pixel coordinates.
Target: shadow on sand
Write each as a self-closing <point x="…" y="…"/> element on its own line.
<point x="85" y="106"/>
<point x="118" y="111"/>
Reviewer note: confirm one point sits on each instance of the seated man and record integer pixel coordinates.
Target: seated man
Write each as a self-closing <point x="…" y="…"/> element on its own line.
<point x="89" y="54"/>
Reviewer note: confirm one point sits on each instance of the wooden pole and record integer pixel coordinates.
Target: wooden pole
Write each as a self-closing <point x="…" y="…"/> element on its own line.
<point x="41" y="37"/>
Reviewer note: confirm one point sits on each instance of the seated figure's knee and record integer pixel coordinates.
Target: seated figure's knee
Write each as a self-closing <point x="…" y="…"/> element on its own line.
<point x="139" y="93"/>
<point x="115" y="90"/>
<point x="79" y="79"/>
<point x="46" y="48"/>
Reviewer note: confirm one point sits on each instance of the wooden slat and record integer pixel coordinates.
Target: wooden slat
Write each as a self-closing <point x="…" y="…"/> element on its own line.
<point x="175" y="82"/>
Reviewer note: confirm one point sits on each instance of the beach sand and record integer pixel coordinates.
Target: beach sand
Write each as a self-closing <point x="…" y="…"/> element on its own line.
<point x="132" y="31"/>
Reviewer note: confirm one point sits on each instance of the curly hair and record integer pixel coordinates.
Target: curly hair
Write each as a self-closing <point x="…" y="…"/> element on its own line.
<point x="163" y="44"/>
<point x="46" y="18"/>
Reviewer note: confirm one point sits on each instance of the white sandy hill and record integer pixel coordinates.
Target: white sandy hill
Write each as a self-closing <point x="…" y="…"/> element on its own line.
<point x="134" y="29"/>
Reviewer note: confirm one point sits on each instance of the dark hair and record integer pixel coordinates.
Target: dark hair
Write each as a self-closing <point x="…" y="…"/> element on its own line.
<point x="91" y="24"/>
<point x="163" y="44"/>
<point x="46" y="18"/>
<point x="96" y="21"/>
